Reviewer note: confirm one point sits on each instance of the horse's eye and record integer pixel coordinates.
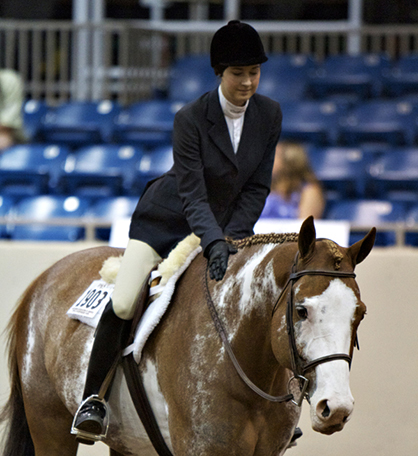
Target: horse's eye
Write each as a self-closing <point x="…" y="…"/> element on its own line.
<point x="302" y="312"/>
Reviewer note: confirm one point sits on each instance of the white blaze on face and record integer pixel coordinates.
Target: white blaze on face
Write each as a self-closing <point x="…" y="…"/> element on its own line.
<point x="326" y="331"/>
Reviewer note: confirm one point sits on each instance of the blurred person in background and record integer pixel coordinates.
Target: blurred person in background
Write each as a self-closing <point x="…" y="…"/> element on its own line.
<point x="296" y="193"/>
<point x="11" y="100"/>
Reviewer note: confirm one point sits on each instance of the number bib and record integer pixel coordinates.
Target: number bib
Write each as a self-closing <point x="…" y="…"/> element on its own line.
<point x="93" y="300"/>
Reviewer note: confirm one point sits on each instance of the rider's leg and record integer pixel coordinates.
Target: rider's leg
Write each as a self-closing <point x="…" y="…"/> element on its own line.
<point x="111" y="334"/>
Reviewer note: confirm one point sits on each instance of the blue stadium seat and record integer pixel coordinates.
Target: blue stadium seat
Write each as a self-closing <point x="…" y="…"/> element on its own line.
<point x="369" y="213"/>
<point x="311" y="121"/>
<point x="100" y="171"/>
<point x="379" y="121"/>
<point x="153" y="164"/>
<point x="110" y="210"/>
<point x="33" y="113"/>
<point x="79" y="123"/>
<point x="6" y="204"/>
<point x="31" y="169"/>
<point x="402" y="78"/>
<point x="147" y="123"/>
<point x="191" y="77"/>
<point x="44" y="208"/>
<point x="358" y="75"/>
<point x="341" y="170"/>
<point x="284" y="76"/>
<point x="395" y="173"/>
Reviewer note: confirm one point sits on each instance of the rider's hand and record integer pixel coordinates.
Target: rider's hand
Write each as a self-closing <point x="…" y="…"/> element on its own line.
<point x="217" y="254"/>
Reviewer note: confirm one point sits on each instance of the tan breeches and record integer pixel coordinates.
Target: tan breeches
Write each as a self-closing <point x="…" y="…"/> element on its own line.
<point x="138" y="260"/>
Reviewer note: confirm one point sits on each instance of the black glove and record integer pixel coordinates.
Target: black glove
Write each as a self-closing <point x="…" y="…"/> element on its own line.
<point x="217" y="254"/>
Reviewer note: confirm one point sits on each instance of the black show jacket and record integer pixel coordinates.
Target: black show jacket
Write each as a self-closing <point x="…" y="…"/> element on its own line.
<point x="210" y="190"/>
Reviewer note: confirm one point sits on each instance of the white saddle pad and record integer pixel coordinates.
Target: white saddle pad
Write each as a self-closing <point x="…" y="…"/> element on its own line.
<point x="89" y="306"/>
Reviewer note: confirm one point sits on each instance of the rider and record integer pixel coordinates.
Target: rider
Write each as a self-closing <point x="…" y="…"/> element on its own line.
<point x="223" y="147"/>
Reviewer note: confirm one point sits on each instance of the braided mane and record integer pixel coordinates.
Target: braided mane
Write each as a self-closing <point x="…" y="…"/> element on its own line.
<point x="264" y="238"/>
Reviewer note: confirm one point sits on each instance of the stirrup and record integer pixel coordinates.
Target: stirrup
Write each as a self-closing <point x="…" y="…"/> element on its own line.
<point x="85" y="437"/>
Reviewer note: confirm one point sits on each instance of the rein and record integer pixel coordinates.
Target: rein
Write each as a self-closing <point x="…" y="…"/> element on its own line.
<point x="222" y="333"/>
<point x="299" y="368"/>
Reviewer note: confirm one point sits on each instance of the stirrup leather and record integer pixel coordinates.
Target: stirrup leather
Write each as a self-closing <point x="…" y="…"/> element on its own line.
<point x="84" y="435"/>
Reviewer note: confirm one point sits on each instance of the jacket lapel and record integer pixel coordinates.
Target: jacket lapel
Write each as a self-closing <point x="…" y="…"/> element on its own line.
<point x="219" y="129"/>
<point x="250" y="137"/>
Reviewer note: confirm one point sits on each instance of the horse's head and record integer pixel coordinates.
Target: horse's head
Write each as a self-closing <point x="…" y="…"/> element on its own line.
<point x="315" y="323"/>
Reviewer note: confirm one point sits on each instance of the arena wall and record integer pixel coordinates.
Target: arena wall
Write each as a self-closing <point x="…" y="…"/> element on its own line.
<point x="384" y="372"/>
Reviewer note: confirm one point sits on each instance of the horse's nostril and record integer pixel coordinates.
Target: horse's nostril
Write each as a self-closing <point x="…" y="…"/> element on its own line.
<point x="345" y="419"/>
<point x="326" y="412"/>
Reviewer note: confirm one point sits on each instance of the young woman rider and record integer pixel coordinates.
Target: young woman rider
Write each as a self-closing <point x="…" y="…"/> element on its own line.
<point x="223" y="147"/>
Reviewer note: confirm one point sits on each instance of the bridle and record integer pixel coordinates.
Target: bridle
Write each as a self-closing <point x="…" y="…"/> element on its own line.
<point x="299" y="367"/>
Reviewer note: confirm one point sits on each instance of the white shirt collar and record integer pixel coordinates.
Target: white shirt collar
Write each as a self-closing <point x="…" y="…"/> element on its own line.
<point x="230" y="110"/>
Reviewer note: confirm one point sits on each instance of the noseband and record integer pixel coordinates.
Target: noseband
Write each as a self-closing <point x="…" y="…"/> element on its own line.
<point x="299" y="367"/>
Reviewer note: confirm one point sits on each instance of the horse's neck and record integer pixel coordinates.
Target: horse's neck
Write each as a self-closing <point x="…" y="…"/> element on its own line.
<point x="247" y="304"/>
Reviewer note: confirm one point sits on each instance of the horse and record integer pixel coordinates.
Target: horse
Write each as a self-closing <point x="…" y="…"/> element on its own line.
<point x="290" y="308"/>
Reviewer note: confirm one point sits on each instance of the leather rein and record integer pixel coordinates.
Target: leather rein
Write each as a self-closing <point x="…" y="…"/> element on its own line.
<point x="299" y="367"/>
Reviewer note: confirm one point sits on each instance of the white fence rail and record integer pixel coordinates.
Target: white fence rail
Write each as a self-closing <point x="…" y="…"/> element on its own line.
<point x="90" y="225"/>
<point x="128" y="60"/>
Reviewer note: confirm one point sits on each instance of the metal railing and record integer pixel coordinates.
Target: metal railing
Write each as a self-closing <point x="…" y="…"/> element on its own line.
<point x="129" y="60"/>
<point x="90" y="225"/>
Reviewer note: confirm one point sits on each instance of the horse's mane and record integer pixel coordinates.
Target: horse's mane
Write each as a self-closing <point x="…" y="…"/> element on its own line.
<point x="180" y="253"/>
<point x="264" y="238"/>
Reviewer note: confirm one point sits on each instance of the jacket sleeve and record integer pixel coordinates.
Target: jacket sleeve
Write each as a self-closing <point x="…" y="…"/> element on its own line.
<point x="252" y="198"/>
<point x="188" y="167"/>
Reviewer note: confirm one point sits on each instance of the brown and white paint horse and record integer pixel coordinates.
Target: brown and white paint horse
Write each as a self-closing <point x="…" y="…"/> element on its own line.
<point x="202" y="406"/>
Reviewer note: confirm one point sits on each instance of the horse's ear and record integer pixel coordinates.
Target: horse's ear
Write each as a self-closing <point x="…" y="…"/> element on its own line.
<point x="307" y="237"/>
<point x="362" y="248"/>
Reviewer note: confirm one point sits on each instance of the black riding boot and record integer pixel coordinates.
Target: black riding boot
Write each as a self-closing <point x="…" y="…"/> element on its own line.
<point x="90" y="421"/>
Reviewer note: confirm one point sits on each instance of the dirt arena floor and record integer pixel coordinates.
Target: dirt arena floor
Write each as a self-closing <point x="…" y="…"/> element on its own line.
<point x="384" y="377"/>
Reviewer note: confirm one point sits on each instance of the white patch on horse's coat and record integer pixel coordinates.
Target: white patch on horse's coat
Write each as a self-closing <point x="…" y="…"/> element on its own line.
<point x="156" y="398"/>
<point x="73" y="385"/>
<point x="27" y="363"/>
<point x="246" y="277"/>
<point x="250" y="289"/>
<point x="321" y="335"/>
<point x="126" y="432"/>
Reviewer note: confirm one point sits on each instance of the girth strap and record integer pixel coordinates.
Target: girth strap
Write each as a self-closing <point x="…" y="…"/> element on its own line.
<point x="142" y="405"/>
<point x="135" y="384"/>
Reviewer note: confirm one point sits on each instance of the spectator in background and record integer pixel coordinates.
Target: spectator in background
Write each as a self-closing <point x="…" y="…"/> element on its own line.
<point x="11" y="100"/>
<point x="296" y="193"/>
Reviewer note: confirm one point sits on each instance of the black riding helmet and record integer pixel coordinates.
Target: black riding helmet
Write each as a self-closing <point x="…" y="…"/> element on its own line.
<point x="236" y="44"/>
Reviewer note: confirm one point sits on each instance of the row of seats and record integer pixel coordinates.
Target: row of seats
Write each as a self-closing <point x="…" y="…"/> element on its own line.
<point x="106" y="210"/>
<point x="93" y="171"/>
<point x="390" y="173"/>
<point x="150" y="123"/>
<point x="365" y="213"/>
<point x="112" y="170"/>
<point x="295" y="76"/>
<point x="48" y="207"/>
